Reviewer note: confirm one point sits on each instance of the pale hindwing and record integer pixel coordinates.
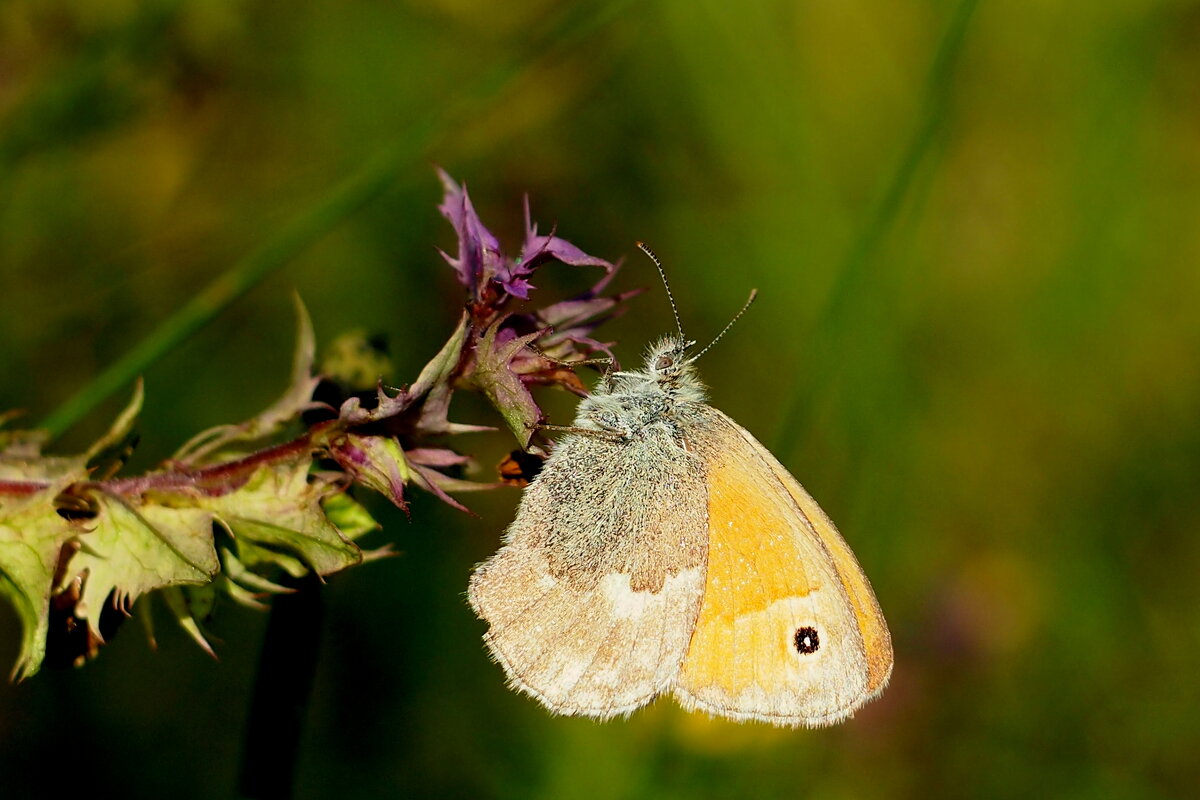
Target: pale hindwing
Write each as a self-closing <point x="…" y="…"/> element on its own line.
<point x="778" y="571"/>
<point x="592" y="600"/>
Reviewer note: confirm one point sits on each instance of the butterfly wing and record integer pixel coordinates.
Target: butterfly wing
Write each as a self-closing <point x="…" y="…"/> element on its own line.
<point x="592" y="599"/>
<point x="789" y="630"/>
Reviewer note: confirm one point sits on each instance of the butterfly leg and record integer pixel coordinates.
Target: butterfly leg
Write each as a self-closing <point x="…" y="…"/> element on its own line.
<point x="607" y="434"/>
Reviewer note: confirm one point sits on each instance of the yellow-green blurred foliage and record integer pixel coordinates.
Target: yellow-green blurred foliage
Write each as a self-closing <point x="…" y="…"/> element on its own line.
<point x="977" y="343"/>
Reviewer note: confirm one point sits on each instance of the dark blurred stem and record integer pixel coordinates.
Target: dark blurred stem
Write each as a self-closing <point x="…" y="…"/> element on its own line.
<point x="282" y="688"/>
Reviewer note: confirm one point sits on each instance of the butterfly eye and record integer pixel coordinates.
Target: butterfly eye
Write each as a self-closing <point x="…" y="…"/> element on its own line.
<point x="806" y="641"/>
<point x="664" y="362"/>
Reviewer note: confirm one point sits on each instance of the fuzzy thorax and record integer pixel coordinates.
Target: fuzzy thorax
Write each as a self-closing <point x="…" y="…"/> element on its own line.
<point x="629" y="401"/>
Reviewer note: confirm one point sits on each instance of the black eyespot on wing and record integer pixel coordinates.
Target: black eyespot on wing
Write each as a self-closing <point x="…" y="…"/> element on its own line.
<point x="806" y="641"/>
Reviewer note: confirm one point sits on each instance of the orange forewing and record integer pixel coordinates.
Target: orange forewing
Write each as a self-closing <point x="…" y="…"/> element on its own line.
<point x="776" y="566"/>
<point x="876" y="637"/>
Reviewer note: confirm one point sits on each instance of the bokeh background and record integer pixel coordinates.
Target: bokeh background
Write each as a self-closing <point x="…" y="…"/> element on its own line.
<point x="974" y="227"/>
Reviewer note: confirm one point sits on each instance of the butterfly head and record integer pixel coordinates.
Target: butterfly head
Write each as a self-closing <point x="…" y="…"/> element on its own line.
<point x="669" y="369"/>
<point x="667" y="359"/>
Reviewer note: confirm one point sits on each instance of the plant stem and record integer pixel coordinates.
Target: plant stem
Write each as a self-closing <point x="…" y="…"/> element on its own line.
<point x="282" y="688"/>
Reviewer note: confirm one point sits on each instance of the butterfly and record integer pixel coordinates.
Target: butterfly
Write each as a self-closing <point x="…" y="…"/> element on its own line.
<point x="663" y="550"/>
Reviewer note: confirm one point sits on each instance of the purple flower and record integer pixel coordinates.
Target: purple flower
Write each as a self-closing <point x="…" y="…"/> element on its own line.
<point x="494" y="351"/>
<point x="481" y="265"/>
<point x="480" y="261"/>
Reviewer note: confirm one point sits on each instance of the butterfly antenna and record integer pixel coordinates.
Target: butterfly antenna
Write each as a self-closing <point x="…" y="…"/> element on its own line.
<point x="662" y="274"/>
<point x="736" y="317"/>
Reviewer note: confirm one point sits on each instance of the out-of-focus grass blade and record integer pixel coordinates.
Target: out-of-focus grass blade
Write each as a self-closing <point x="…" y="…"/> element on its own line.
<point x="838" y="313"/>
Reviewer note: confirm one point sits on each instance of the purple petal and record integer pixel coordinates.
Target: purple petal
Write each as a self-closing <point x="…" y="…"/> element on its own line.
<point x="539" y="248"/>
<point x="435" y="457"/>
<point x="429" y="480"/>
<point x="479" y="255"/>
<point x="517" y="287"/>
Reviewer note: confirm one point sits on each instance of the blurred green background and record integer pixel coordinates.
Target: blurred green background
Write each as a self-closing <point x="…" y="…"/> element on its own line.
<point x="974" y="229"/>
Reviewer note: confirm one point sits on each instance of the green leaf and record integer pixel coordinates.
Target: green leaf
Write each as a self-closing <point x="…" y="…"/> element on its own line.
<point x="349" y="515"/>
<point x="243" y="596"/>
<point x="277" y="514"/>
<point x="441" y="366"/>
<point x="118" y="436"/>
<point x="494" y="376"/>
<point x="135" y="547"/>
<point x="182" y="608"/>
<point x="246" y="581"/>
<point x="32" y="535"/>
